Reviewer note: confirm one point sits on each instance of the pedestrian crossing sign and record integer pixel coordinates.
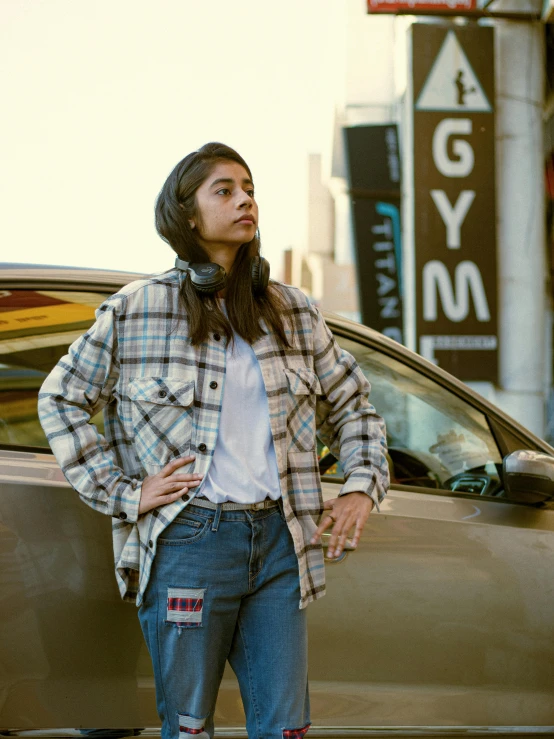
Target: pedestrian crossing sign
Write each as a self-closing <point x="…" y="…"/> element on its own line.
<point x="452" y="85"/>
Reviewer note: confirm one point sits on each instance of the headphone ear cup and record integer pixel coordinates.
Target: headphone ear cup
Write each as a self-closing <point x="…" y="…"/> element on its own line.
<point x="207" y="278"/>
<point x="209" y="289"/>
<point x="260" y="275"/>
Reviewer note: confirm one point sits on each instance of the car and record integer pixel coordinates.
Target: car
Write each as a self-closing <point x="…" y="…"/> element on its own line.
<point x="441" y="621"/>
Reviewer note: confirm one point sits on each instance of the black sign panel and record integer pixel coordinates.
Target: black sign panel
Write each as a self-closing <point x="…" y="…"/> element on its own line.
<point x="454" y="198"/>
<point x="374" y="178"/>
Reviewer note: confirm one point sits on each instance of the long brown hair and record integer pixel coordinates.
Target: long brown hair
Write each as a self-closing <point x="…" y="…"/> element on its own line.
<point x="175" y="205"/>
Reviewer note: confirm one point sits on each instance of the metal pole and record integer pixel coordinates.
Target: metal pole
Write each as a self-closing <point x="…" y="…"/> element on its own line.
<point x="521" y="222"/>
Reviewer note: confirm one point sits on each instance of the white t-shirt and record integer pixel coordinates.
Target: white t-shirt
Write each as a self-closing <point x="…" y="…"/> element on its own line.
<point x="244" y="467"/>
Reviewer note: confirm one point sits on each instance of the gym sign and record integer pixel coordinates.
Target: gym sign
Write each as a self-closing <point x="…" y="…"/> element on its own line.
<point x="413" y="6"/>
<point x="454" y="199"/>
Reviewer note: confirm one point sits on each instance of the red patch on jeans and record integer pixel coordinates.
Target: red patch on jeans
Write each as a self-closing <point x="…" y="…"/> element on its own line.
<point x="191" y="725"/>
<point x="185" y="607"/>
<point x="184" y="604"/>
<point x="295" y="733"/>
<point x="188" y="730"/>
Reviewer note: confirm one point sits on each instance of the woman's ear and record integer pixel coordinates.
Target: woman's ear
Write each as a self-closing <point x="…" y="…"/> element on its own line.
<point x="192" y="224"/>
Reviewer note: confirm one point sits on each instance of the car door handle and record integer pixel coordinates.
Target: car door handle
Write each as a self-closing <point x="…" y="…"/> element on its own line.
<point x="344" y="554"/>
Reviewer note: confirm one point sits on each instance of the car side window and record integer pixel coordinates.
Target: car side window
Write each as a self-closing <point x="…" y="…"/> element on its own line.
<point x="436" y="439"/>
<point x="36" y="329"/>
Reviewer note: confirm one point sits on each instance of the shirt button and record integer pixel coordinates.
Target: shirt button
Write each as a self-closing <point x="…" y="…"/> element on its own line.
<point x="213" y="384"/>
<point x="123" y="515"/>
<point x="217" y="337"/>
<point x="162" y="394"/>
<point x="150" y="543"/>
<point x="202" y="447"/>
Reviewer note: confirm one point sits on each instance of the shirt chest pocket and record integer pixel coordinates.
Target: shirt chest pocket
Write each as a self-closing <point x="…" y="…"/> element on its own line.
<point x="303" y="389"/>
<point x="162" y="417"/>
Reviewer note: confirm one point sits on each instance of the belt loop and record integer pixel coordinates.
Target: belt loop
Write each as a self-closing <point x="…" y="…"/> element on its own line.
<point x="215" y="524"/>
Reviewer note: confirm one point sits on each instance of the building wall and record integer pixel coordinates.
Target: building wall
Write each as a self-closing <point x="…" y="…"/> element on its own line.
<point x="376" y="76"/>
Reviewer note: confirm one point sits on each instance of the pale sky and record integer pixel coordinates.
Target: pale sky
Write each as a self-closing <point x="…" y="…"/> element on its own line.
<point x="101" y="98"/>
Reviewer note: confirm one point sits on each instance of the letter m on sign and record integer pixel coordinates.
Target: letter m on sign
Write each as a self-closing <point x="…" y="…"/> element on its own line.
<point x="454" y="301"/>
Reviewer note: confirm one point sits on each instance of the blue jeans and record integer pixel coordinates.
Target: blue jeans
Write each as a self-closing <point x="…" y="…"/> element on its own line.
<point x="224" y="585"/>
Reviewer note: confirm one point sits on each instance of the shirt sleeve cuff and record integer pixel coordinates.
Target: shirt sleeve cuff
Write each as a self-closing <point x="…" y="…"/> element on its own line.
<point x="126" y="507"/>
<point x="362" y="482"/>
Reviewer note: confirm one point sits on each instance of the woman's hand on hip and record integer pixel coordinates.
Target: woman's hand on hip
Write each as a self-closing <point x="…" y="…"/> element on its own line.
<point x="348" y="511"/>
<point x="166" y="487"/>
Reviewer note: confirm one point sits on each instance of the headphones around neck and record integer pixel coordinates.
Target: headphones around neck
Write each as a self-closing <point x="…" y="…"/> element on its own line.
<point x="210" y="278"/>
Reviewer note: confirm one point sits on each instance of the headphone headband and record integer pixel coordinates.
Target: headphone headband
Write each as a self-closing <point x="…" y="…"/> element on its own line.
<point x="210" y="277"/>
<point x="182" y="265"/>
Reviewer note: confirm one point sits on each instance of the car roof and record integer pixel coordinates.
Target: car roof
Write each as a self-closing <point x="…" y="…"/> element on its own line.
<point x="45" y="276"/>
<point x="74" y="277"/>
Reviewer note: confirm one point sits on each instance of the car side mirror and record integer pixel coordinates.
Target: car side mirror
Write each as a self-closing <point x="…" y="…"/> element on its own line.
<point x="528" y="477"/>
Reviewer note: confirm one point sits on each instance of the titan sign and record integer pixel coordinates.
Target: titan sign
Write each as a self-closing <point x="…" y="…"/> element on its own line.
<point x="374" y="183"/>
<point x="393" y="6"/>
<point x="454" y="199"/>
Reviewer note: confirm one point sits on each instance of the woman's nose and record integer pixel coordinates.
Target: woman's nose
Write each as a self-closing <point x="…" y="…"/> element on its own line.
<point x="244" y="200"/>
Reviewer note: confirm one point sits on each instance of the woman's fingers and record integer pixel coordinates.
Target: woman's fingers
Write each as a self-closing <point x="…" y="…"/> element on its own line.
<point x="183" y="477"/>
<point x="337" y="542"/>
<point x="347" y="512"/>
<point x="358" y="532"/>
<point x="166" y="487"/>
<point x="173" y="491"/>
<point x="152" y="497"/>
<point x="175" y="464"/>
<point x="177" y="494"/>
<point x="323" y="526"/>
<point x="169" y="487"/>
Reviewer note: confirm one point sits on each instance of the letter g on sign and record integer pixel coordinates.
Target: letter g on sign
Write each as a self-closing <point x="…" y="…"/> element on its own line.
<point x="463" y="165"/>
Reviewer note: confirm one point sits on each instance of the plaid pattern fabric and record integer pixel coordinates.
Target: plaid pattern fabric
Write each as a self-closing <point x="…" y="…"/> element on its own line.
<point x="184" y="606"/>
<point x="137" y="364"/>
<point x="295" y="733"/>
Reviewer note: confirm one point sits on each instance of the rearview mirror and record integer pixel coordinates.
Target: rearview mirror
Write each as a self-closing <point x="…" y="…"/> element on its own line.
<point x="528" y="477"/>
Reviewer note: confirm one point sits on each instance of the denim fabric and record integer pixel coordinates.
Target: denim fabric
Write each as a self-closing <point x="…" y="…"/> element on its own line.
<point x="225" y="585"/>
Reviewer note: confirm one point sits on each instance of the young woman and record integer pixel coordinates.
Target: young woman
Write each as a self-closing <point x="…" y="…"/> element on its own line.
<point x="213" y="382"/>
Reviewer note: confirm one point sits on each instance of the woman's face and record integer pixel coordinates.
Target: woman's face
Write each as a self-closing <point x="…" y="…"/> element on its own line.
<point x="226" y="211"/>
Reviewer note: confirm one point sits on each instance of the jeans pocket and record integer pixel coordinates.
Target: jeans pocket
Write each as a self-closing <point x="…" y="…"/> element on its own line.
<point x="184" y="529"/>
<point x="185" y="607"/>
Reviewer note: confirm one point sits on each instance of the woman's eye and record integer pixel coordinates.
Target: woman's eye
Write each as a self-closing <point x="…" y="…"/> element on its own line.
<point x="250" y="192"/>
<point x="223" y="191"/>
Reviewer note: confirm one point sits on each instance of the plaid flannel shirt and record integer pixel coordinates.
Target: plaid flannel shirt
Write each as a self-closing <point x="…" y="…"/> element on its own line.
<point x="138" y="365"/>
